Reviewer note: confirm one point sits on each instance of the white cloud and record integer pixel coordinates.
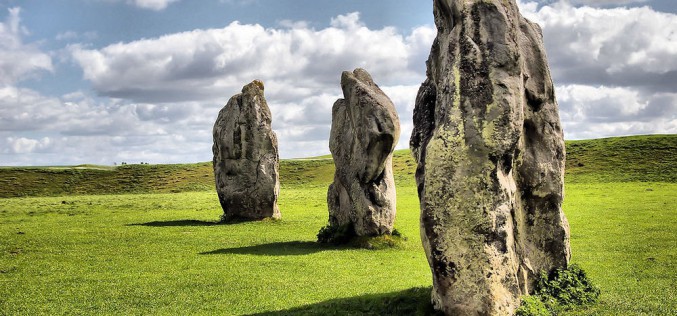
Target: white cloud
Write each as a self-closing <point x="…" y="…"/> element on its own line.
<point x="300" y="66"/>
<point x="593" y="112"/>
<point x="611" y="47"/>
<point x="403" y="98"/>
<point x="579" y="103"/>
<point x="294" y="62"/>
<point x="615" y="69"/>
<point x="68" y="35"/>
<point x="157" y="99"/>
<point x="24" y="109"/>
<point x="18" y="60"/>
<point x="71" y="35"/>
<point x="76" y="128"/>
<point x="23" y="145"/>
<point x="581" y="130"/>
<point x="156" y="5"/>
<point x="607" y="2"/>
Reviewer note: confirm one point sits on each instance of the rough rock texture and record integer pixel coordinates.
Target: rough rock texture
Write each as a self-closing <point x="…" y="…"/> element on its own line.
<point x="246" y="160"/>
<point x="490" y="153"/>
<point x="364" y="132"/>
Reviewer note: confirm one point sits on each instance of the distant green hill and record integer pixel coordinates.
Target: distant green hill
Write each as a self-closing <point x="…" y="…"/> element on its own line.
<point x="623" y="159"/>
<point x="620" y="159"/>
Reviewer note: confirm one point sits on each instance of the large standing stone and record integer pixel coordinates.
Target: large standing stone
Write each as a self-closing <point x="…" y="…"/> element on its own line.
<point x="488" y="142"/>
<point x="246" y="159"/>
<point x="364" y="132"/>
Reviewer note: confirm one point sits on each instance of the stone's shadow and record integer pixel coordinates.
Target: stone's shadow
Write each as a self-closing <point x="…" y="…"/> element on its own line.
<point x="287" y="248"/>
<point x="178" y="223"/>
<point x="414" y="301"/>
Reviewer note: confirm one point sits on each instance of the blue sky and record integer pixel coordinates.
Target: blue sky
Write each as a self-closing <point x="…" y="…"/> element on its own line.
<point x="104" y="81"/>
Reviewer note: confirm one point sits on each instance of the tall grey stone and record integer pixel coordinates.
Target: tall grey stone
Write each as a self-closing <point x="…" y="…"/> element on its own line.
<point x="364" y="132"/>
<point x="488" y="142"/>
<point x="246" y="160"/>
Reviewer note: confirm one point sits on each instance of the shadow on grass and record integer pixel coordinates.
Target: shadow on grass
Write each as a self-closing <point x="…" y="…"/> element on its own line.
<point x="414" y="301"/>
<point x="287" y="248"/>
<point x="177" y="223"/>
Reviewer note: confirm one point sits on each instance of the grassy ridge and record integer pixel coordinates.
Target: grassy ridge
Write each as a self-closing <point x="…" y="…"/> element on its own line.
<point x="622" y="159"/>
<point x="55" y="181"/>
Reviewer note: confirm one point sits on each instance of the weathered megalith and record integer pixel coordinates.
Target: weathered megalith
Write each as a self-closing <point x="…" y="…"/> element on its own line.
<point x="490" y="152"/>
<point x="246" y="160"/>
<point x="364" y="132"/>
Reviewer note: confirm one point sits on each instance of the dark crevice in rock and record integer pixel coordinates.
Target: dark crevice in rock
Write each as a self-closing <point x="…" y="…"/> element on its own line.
<point x="534" y="103"/>
<point x="236" y="152"/>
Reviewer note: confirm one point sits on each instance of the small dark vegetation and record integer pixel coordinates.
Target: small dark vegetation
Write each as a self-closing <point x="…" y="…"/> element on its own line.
<point x="336" y="235"/>
<point x="230" y="219"/>
<point x="345" y="235"/>
<point x="561" y="290"/>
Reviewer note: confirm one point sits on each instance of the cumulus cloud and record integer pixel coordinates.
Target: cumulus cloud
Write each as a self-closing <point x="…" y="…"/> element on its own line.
<point x="37" y="129"/>
<point x="23" y="145"/>
<point x="77" y="128"/>
<point x="72" y="36"/>
<point x="607" y="2"/>
<point x="610" y="65"/>
<point x="611" y="47"/>
<point x="154" y="5"/>
<point x="403" y="96"/>
<point x="204" y="64"/>
<point x="621" y="106"/>
<point x="156" y="99"/>
<point x="19" y="60"/>
<point x="614" y="69"/>
<point x="300" y="66"/>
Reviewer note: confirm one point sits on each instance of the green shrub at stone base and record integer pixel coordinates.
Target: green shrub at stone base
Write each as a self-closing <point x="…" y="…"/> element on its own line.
<point x="345" y="235"/>
<point x="336" y="235"/>
<point x="567" y="287"/>
<point x="562" y="289"/>
<point x="532" y="306"/>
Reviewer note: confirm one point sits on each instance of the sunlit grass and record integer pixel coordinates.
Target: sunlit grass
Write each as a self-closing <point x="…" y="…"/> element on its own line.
<point x="164" y="254"/>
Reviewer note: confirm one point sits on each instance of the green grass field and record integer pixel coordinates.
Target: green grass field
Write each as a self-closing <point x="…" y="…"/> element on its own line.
<point x="162" y="253"/>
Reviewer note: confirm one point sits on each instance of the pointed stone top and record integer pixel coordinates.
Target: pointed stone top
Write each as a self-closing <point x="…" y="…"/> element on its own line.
<point x="256" y="84"/>
<point x="359" y="82"/>
<point x="358" y="75"/>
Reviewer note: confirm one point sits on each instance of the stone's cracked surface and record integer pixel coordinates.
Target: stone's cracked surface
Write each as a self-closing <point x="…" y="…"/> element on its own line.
<point x="246" y="160"/>
<point x="364" y="132"/>
<point x="488" y="142"/>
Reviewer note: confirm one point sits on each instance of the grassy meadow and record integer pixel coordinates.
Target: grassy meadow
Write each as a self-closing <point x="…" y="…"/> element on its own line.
<point x="143" y="239"/>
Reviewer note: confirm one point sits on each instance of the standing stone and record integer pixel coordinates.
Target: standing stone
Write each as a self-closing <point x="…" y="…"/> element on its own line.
<point x="364" y="132"/>
<point x="246" y="160"/>
<point x="490" y="152"/>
